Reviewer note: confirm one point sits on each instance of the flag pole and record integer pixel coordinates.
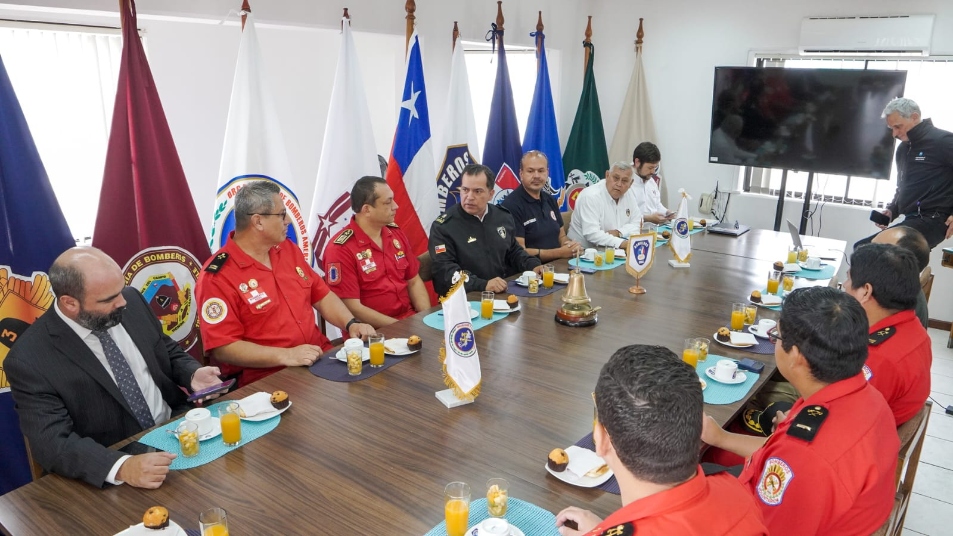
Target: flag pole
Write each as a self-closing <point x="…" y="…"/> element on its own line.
<point x="499" y="16"/>
<point x="638" y="38"/>
<point x="246" y="9"/>
<point x="346" y="16"/>
<point x="586" y="43"/>
<point x="456" y="34"/>
<point x="539" y="38"/>
<point x="410" y="7"/>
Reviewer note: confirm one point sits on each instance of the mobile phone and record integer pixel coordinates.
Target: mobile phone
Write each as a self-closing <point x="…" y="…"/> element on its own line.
<point x="135" y="448"/>
<point x="879" y="217"/>
<point x="587" y="270"/>
<point x="224" y="386"/>
<point x="751" y="365"/>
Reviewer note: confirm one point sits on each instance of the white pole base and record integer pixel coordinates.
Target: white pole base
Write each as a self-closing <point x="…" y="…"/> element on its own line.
<point x="449" y="399"/>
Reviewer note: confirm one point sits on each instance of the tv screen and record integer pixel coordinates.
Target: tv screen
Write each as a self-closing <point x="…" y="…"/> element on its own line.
<point x="821" y="120"/>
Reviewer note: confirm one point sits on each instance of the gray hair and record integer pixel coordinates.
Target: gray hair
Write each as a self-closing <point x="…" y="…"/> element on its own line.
<point x="905" y="107"/>
<point x="622" y="166"/>
<point x="254" y="198"/>
<point x="66" y="279"/>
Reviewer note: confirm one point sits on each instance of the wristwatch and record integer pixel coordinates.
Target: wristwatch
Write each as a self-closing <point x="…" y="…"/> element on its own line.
<point x="347" y="327"/>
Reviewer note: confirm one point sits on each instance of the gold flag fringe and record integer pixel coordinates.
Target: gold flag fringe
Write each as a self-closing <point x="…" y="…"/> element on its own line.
<point x="448" y="381"/>
<point x="460" y="282"/>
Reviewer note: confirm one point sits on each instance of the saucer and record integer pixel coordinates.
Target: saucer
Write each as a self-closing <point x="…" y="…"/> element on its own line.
<point x="522" y="282"/>
<point x="399" y="347"/>
<point x="804" y="266"/>
<point x="740" y="377"/>
<point x="267" y="415"/>
<point x="475" y="531"/>
<point x="215" y="432"/>
<point x="341" y="355"/>
<point x="757" y="332"/>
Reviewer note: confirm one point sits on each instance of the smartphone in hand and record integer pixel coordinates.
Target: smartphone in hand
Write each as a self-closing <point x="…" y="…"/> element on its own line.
<point x="879" y="217"/>
<point x="224" y="386"/>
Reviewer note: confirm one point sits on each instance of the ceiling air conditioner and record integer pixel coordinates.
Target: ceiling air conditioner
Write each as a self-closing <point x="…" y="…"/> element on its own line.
<point x="892" y="35"/>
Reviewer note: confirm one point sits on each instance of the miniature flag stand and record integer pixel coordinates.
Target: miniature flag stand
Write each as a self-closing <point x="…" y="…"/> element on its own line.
<point x="461" y="361"/>
<point x="639" y="257"/>
<point x="681" y="242"/>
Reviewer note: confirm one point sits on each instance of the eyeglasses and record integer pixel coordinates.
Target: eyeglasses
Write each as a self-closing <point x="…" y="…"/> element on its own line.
<point x="283" y="214"/>
<point x="773" y="335"/>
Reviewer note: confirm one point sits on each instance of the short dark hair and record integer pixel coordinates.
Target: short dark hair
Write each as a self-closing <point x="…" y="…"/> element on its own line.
<point x="650" y="403"/>
<point x="534" y="153"/>
<point x="66" y="279"/>
<point x="476" y="169"/>
<point x="891" y="272"/>
<point x="829" y="327"/>
<point x="363" y="192"/>
<point x="913" y="241"/>
<point x="646" y="152"/>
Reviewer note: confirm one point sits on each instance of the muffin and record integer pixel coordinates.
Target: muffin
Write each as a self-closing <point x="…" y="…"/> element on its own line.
<point x="512" y="301"/>
<point x="723" y="335"/>
<point x="779" y="266"/>
<point x="279" y="399"/>
<point x="756" y="296"/>
<point x="558" y="460"/>
<point x="666" y="235"/>
<point x="702" y="222"/>
<point x="414" y="343"/>
<point x="156" y="518"/>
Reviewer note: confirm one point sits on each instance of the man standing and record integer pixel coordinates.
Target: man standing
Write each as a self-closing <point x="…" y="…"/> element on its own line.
<point x="829" y="466"/>
<point x="95" y="369"/>
<point x="477" y="237"/>
<point x="645" y="160"/>
<point x="883" y="278"/>
<point x="924" y="173"/>
<point x="257" y="295"/>
<point x="649" y="406"/>
<point x="607" y="213"/>
<point x="913" y="241"/>
<point x="369" y="265"/>
<point x="539" y="223"/>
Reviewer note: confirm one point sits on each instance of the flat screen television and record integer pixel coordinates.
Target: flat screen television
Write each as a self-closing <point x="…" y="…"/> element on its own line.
<point x="820" y="120"/>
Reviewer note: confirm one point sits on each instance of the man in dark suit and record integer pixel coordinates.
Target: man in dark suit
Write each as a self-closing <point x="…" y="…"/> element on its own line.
<point x="96" y="368"/>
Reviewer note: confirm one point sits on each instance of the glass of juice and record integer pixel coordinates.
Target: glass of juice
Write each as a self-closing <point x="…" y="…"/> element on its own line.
<point x="376" y="345"/>
<point x="774" y="281"/>
<point x="549" y="274"/>
<point x="598" y="259"/>
<point x="228" y="414"/>
<point x="702" y="344"/>
<point x="751" y="313"/>
<point x="354" y="351"/>
<point x="792" y="254"/>
<point x="802" y="255"/>
<point x="486" y="305"/>
<point x="610" y="254"/>
<point x="496" y="497"/>
<point x="788" y="282"/>
<point x="188" y="434"/>
<point x="737" y="316"/>
<point x="691" y="224"/>
<point x="456" y="507"/>
<point x="690" y="353"/>
<point x="213" y="522"/>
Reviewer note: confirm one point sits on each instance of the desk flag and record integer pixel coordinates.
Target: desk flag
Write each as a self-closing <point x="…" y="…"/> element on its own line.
<point x="410" y="171"/>
<point x="681" y="242"/>
<point x="254" y="147"/>
<point x="459" y="146"/>
<point x="586" y="160"/>
<point x="33" y="232"/>
<point x="461" y="361"/>
<point x="502" y="150"/>
<point x="541" y="133"/>
<point x="147" y="220"/>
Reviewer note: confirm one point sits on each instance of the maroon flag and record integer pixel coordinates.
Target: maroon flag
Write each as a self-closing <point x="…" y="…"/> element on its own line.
<point x="147" y="219"/>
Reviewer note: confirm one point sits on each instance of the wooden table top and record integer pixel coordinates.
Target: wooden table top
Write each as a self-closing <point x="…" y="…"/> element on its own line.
<point x="372" y="457"/>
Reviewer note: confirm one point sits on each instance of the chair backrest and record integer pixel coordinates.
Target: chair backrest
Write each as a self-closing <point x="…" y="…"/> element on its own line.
<point x="426" y="266"/>
<point x="912" y="433"/>
<point x="926" y="281"/>
<point x="567" y="219"/>
<point x="36" y="470"/>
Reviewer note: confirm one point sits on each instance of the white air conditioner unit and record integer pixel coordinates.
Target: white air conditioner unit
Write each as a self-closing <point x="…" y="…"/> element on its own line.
<point x="894" y="35"/>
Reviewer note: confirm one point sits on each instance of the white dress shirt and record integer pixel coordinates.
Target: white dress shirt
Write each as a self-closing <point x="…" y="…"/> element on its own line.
<point x="648" y="195"/>
<point x="596" y="213"/>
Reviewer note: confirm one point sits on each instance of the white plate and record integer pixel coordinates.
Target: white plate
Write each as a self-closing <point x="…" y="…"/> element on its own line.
<point x="767" y="300"/>
<point x="399" y="347"/>
<point x="473" y="313"/>
<point x="728" y="343"/>
<point x="267" y="415"/>
<point x="216" y="430"/>
<point x="803" y="266"/>
<point x="704" y="383"/>
<point x="569" y="477"/>
<point x="139" y="530"/>
<point x="500" y="306"/>
<point x="341" y="355"/>
<point x="740" y="376"/>
<point x="757" y="333"/>
<point x="514" y="531"/>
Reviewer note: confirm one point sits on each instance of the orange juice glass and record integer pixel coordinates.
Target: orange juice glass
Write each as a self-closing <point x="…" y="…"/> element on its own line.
<point x="737" y="316"/>
<point x="456" y="508"/>
<point x="774" y="281"/>
<point x="486" y="305"/>
<point x="213" y="522"/>
<point x="792" y="255"/>
<point x="376" y="345"/>
<point x="690" y="353"/>
<point x="549" y="275"/>
<point x="610" y="254"/>
<point x="231" y="424"/>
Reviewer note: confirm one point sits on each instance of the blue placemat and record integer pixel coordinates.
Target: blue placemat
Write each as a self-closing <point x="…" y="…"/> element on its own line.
<point x="520" y="290"/>
<point x="529" y="518"/>
<point x="209" y="450"/>
<point x="764" y="347"/>
<point x="617" y="263"/>
<point x="719" y="393"/>
<point x="435" y="319"/>
<point x="611" y="485"/>
<point x="331" y="368"/>
<point x="826" y="272"/>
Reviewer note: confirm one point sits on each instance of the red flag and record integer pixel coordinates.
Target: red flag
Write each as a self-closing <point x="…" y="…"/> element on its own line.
<point x="147" y="221"/>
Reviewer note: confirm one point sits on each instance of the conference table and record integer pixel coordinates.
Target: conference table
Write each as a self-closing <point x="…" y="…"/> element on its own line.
<point x="373" y="456"/>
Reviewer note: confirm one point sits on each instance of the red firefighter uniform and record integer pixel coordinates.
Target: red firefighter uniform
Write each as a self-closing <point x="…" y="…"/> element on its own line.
<point x="242" y="300"/>
<point x="377" y="276"/>
<point x="829" y="468"/>
<point x="703" y="506"/>
<point x="898" y="363"/>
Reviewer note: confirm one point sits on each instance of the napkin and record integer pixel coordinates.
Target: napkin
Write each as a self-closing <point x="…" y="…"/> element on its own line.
<point x="770" y="299"/>
<point x="581" y="460"/>
<point x="561" y="278"/>
<point x="256" y="404"/>
<point x="743" y="339"/>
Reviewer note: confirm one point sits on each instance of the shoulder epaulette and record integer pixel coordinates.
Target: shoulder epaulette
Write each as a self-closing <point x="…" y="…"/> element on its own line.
<point x="344" y="237"/>
<point x="394" y="225"/>
<point x="624" y="529"/>
<point x="443" y="217"/>
<point x="217" y="263"/>
<point x="881" y="335"/>
<point x="807" y="422"/>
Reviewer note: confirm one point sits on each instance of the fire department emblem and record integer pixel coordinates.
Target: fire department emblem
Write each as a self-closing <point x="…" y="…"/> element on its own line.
<point x="166" y="277"/>
<point x="775" y="478"/>
<point x="502" y="231"/>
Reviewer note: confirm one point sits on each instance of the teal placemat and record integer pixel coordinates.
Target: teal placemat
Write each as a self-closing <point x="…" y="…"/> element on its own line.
<point x="668" y="227"/>
<point x="826" y="272"/>
<point x="435" y="319"/>
<point x="719" y="393"/>
<point x="618" y="262"/>
<point x="210" y="449"/>
<point x="529" y="518"/>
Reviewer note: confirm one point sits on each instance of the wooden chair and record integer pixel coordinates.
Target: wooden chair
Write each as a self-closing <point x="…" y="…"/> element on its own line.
<point x="926" y="282"/>
<point x="912" y="433"/>
<point x="36" y="471"/>
<point x="567" y="219"/>
<point x="426" y="266"/>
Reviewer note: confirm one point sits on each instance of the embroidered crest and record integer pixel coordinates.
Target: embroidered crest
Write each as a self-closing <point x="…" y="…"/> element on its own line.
<point x="442" y="218"/>
<point x="334" y="273"/>
<point x="881" y="335"/>
<point x="344" y="237"/>
<point x="775" y="478"/>
<point x="243" y="288"/>
<point x="252" y="283"/>
<point x="552" y="214"/>
<point x="502" y="231"/>
<point x="301" y="273"/>
<point x="442" y="248"/>
<point x="214" y="310"/>
<point x="463" y="340"/>
<point x="868" y="374"/>
<point x="217" y="264"/>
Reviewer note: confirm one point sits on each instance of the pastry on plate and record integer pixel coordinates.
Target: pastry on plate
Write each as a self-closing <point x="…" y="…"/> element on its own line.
<point x="156" y="518"/>
<point x="279" y="399"/>
<point x="779" y="266"/>
<point x="756" y="296"/>
<point x="512" y="301"/>
<point x="723" y="335"/>
<point x="558" y="460"/>
<point x="666" y="235"/>
<point x="414" y="343"/>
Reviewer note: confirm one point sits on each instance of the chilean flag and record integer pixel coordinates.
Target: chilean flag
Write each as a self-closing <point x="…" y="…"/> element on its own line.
<point x="410" y="171"/>
<point x="502" y="151"/>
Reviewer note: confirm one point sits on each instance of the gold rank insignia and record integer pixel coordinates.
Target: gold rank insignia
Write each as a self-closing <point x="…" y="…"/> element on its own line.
<point x="252" y="284"/>
<point x="301" y="273"/>
<point x="442" y="218"/>
<point x="625" y="529"/>
<point x="807" y="422"/>
<point x="343" y="237"/>
<point x="217" y="263"/>
<point x="392" y="224"/>
<point x="881" y="335"/>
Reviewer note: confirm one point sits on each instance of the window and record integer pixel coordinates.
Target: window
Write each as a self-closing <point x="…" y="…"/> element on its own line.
<point x="928" y="83"/>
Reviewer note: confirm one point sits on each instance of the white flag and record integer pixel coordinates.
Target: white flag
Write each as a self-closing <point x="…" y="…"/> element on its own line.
<point x="461" y="366"/>
<point x="681" y="242"/>
<point x="347" y="154"/>
<point x="458" y="146"/>
<point x="254" y="147"/>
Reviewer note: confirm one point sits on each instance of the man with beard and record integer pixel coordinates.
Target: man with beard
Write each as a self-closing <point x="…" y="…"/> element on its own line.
<point x="97" y="368"/>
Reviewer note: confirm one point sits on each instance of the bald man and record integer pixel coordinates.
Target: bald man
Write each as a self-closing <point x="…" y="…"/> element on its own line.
<point x="912" y="240"/>
<point x="95" y="369"/>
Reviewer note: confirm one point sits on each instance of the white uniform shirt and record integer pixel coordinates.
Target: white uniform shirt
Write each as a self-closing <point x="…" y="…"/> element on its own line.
<point x="596" y="213"/>
<point x="648" y="195"/>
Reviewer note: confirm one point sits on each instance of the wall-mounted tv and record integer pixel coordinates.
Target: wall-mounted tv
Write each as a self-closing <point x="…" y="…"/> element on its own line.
<point x="820" y="120"/>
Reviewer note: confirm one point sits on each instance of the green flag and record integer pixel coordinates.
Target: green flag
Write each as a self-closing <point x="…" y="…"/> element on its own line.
<point x="586" y="158"/>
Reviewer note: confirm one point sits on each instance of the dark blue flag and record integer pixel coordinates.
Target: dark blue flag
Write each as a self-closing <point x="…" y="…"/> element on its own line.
<point x="502" y="151"/>
<point x="33" y="232"/>
<point x="541" y="133"/>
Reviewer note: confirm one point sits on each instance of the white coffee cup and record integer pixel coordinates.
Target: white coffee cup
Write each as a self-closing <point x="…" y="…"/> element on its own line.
<point x="814" y="263"/>
<point x="725" y="370"/>
<point x="589" y="254"/>
<point x="527" y="277"/>
<point x="202" y="418"/>
<point x="765" y="325"/>
<point x="494" y="526"/>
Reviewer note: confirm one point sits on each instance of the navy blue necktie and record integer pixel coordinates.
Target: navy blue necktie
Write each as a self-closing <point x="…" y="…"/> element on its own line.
<point x="125" y="379"/>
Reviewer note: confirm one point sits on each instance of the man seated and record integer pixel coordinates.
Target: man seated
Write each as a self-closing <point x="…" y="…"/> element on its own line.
<point x="885" y="281"/>
<point x="539" y="223"/>
<point x="258" y="295"/>
<point x="912" y="240"/>
<point x="369" y="263"/>
<point x="607" y="213"/>
<point x="829" y="467"/>
<point x="649" y="406"/>
<point x="478" y="237"/>
<point x="645" y="160"/>
<point x="95" y="369"/>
